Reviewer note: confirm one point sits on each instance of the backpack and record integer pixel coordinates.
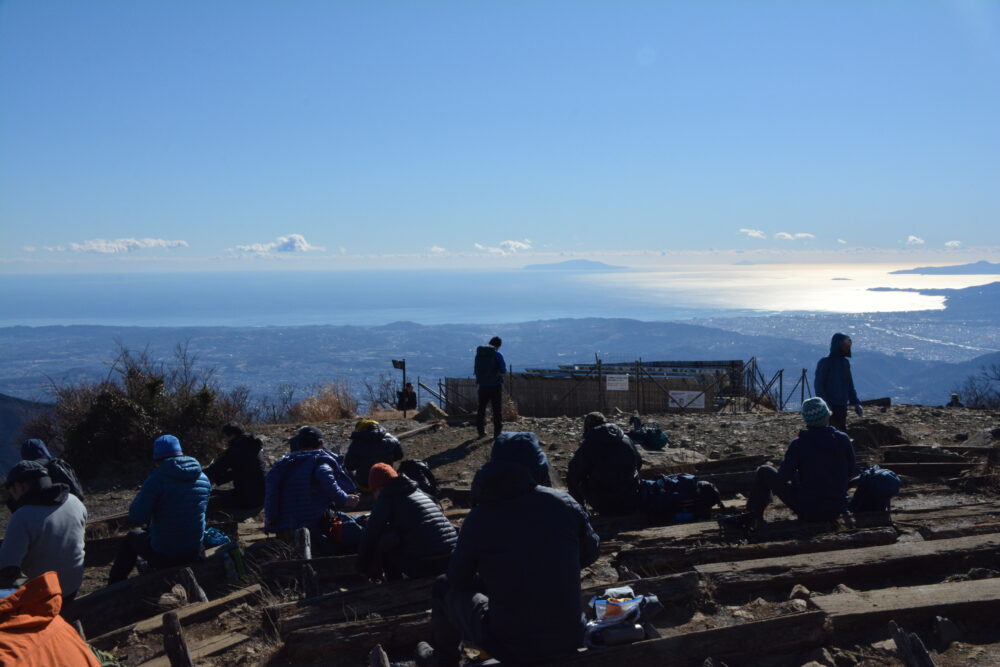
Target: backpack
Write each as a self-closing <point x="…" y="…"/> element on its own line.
<point x="649" y="435"/>
<point x="486" y="366"/>
<point x="342" y="533"/>
<point x="420" y="472"/>
<point x="677" y="497"/>
<point x="61" y="472"/>
<point x="875" y="489"/>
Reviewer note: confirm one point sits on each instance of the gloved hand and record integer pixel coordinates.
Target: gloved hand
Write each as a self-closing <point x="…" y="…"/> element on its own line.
<point x="859" y="411"/>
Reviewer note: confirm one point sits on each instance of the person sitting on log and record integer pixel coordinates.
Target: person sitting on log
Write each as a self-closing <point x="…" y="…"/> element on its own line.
<point x="370" y="444"/>
<point x="303" y="485"/>
<point x="47" y="529"/>
<point x="60" y="471"/>
<point x="406" y="532"/>
<point x="813" y="477"/>
<point x="604" y="472"/>
<point x="242" y="464"/>
<point x="513" y="583"/>
<point x="169" y="510"/>
<point x="523" y="447"/>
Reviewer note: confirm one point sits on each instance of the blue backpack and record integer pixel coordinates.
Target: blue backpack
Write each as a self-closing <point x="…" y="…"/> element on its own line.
<point x="875" y="489"/>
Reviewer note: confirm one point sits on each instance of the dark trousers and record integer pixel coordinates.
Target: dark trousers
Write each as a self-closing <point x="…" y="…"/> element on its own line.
<point x="456" y="615"/>
<point x="136" y="544"/>
<point x="494" y="397"/>
<point x="232" y="503"/>
<point x="838" y="419"/>
<point x="767" y="485"/>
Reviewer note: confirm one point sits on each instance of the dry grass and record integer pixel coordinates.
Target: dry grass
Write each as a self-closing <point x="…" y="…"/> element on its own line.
<point x="510" y="413"/>
<point x="331" y="402"/>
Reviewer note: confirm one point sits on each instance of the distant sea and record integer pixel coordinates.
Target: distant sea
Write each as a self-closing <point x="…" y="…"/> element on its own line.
<point x="449" y="296"/>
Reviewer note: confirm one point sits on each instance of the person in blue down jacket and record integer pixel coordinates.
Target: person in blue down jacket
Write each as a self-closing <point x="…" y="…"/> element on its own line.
<point x="834" y="384"/>
<point x="406" y="533"/>
<point x="513" y="584"/>
<point x="604" y="472"/>
<point x="812" y="480"/>
<point x="171" y="504"/>
<point x="370" y="444"/>
<point x="304" y="484"/>
<point x="523" y="447"/>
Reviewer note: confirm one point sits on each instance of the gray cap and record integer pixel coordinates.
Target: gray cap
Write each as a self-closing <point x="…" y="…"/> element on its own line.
<point x="26" y="471"/>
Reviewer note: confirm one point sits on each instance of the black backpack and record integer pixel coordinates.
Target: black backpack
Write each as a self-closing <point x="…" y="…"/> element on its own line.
<point x="678" y="497"/>
<point x="61" y="472"/>
<point x="486" y="365"/>
<point x="420" y="473"/>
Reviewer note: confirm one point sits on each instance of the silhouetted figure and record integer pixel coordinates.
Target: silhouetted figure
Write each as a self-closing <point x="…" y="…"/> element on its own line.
<point x="834" y="383"/>
<point x="490" y="368"/>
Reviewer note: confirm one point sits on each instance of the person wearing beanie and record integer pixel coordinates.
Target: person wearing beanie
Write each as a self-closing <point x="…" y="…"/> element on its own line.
<point x="834" y="383"/>
<point x="812" y="479"/>
<point x="169" y="512"/>
<point x="302" y="486"/>
<point x="406" y="533"/>
<point x="46" y="530"/>
<point x="604" y="471"/>
<point x="370" y="444"/>
<point x="60" y="471"/>
<point x="242" y="464"/>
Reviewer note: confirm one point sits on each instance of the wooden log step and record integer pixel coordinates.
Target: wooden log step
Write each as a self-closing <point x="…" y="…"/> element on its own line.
<point x="187" y="615"/>
<point x="733" y="464"/>
<point x="417" y="431"/>
<point x="931" y="469"/>
<point x="203" y="649"/>
<point x="329" y="569"/>
<point x="346" y="644"/>
<point x="732" y="579"/>
<point x="108" y="524"/>
<point x="735" y="644"/>
<point x="979" y="598"/>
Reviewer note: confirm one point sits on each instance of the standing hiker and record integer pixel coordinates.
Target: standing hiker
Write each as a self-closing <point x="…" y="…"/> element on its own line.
<point x="604" y="471"/>
<point x="490" y="368"/>
<point x="834" y="384"/>
<point x="242" y="464"/>
<point x="370" y="444"/>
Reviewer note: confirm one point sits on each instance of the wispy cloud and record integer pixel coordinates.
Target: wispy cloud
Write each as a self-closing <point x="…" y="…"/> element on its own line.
<point x="282" y="244"/>
<point x="117" y="246"/>
<point x="914" y="240"/>
<point x="841" y="241"/>
<point x="505" y="247"/>
<point x="436" y="249"/>
<point x="953" y="244"/>
<point x="785" y="236"/>
<point x="754" y="233"/>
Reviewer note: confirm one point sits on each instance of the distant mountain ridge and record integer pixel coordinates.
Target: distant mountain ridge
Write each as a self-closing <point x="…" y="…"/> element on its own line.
<point x="974" y="269"/>
<point x="575" y="265"/>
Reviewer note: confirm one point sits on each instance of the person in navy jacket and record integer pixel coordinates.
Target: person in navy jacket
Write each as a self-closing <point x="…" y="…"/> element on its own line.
<point x="834" y="384"/>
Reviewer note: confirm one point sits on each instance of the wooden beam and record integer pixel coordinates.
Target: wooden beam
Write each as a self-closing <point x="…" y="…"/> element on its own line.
<point x="174" y="644"/>
<point x="417" y="431"/>
<point x="204" y="648"/>
<point x="348" y="643"/>
<point x="733" y="464"/>
<point x="329" y="570"/>
<point x="931" y="469"/>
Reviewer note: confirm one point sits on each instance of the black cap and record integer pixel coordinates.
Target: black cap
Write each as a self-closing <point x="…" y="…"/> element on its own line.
<point x="26" y="471"/>
<point x="307" y="437"/>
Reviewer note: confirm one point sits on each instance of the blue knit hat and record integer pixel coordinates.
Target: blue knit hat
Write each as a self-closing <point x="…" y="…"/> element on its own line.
<point x="815" y="409"/>
<point x="166" y="446"/>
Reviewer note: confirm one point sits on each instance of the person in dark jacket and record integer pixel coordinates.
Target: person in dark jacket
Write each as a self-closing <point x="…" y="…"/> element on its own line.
<point x="604" y="472"/>
<point x="407" y="398"/>
<point x="812" y="480"/>
<point x="406" y="532"/>
<point x="171" y="504"/>
<point x="513" y="583"/>
<point x="370" y="444"/>
<point x="242" y="464"/>
<point x="490" y="368"/>
<point x="60" y="471"/>
<point x="523" y="447"/>
<point x="834" y="384"/>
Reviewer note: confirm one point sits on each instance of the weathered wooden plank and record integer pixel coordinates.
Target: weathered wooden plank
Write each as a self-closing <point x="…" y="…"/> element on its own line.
<point x="417" y="431"/>
<point x="931" y="469"/>
<point x="203" y="649"/>
<point x="869" y="608"/>
<point x="741" y="578"/>
<point x="711" y="466"/>
<point x="353" y="640"/>
<point x="329" y="570"/>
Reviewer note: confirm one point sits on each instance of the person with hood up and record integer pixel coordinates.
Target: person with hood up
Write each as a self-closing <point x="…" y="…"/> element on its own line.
<point x="242" y="464"/>
<point x="406" y="532"/>
<point x="813" y="477"/>
<point x="171" y="505"/>
<point x="60" y="471"/>
<point x="303" y="485"/>
<point x="47" y="529"/>
<point x="523" y="447"/>
<point x="513" y="583"/>
<point x="33" y="634"/>
<point x="370" y="444"/>
<point x="604" y="471"/>
<point x="834" y="384"/>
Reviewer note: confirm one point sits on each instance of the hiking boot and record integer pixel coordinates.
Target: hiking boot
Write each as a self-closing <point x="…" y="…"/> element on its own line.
<point x="425" y="655"/>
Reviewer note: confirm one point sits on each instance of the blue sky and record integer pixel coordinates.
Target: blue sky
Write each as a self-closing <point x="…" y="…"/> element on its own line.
<point x="190" y="135"/>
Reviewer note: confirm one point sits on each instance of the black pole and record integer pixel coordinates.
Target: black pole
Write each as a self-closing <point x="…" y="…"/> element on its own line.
<point x="404" y="388"/>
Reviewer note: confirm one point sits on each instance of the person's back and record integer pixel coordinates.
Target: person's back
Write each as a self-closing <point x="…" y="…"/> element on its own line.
<point x="834" y="382"/>
<point x="172" y="501"/>
<point x="820" y="462"/>
<point x="523" y="546"/>
<point x="605" y="469"/>
<point x="242" y="464"/>
<point x="370" y="444"/>
<point x="300" y="488"/>
<point x="523" y="447"/>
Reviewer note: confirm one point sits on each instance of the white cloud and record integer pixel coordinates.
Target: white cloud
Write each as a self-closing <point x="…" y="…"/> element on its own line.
<point x="914" y="240"/>
<point x="754" y="233"/>
<point x="785" y="236"/>
<point x="953" y="244"/>
<point x="436" y="249"/>
<point x="29" y="248"/>
<point x="841" y="241"/>
<point x="505" y="247"/>
<point x="106" y="247"/>
<point x="290" y="243"/>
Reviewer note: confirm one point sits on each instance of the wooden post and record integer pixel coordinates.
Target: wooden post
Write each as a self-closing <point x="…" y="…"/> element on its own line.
<point x="911" y="650"/>
<point x="304" y="543"/>
<point x="378" y="657"/>
<point x="173" y="642"/>
<point x="310" y="582"/>
<point x="194" y="590"/>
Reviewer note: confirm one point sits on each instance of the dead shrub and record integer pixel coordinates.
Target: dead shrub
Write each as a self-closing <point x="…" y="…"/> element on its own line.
<point x="330" y="402"/>
<point x="509" y="410"/>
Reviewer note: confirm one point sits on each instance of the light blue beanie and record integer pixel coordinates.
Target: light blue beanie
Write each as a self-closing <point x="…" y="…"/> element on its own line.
<point x="166" y="446"/>
<point x="815" y="409"/>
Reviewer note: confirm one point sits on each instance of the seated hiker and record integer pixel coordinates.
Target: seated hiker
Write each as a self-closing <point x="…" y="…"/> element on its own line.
<point x="406" y="533"/>
<point x="955" y="402"/>
<point x="523" y="447"/>
<point x="242" y="464"/>
<point x="370" y="444"/>
<point x="812" y="480"/>
<point x="47" y="530"/>
<point x="33" y="634"/>
<point x="303" y="485"/>
<point x="171" y="506"/>
<point x="604" y="472"/>
<point x="513" y="583"/>
<point x="59" y="469"/>
<point x="407" y="398"/>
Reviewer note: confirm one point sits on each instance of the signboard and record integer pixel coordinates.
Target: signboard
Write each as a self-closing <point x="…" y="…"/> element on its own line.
<point x="617" y="383"/>
<point x="687" y="399"/>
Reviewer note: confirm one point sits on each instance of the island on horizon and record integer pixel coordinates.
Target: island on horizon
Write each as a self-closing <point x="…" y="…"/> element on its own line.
<point x="973" y="269"/>
<point x="575" y="265"/>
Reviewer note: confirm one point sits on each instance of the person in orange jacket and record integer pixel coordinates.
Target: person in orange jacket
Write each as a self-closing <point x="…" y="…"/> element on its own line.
<point x="33" y="634"/>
